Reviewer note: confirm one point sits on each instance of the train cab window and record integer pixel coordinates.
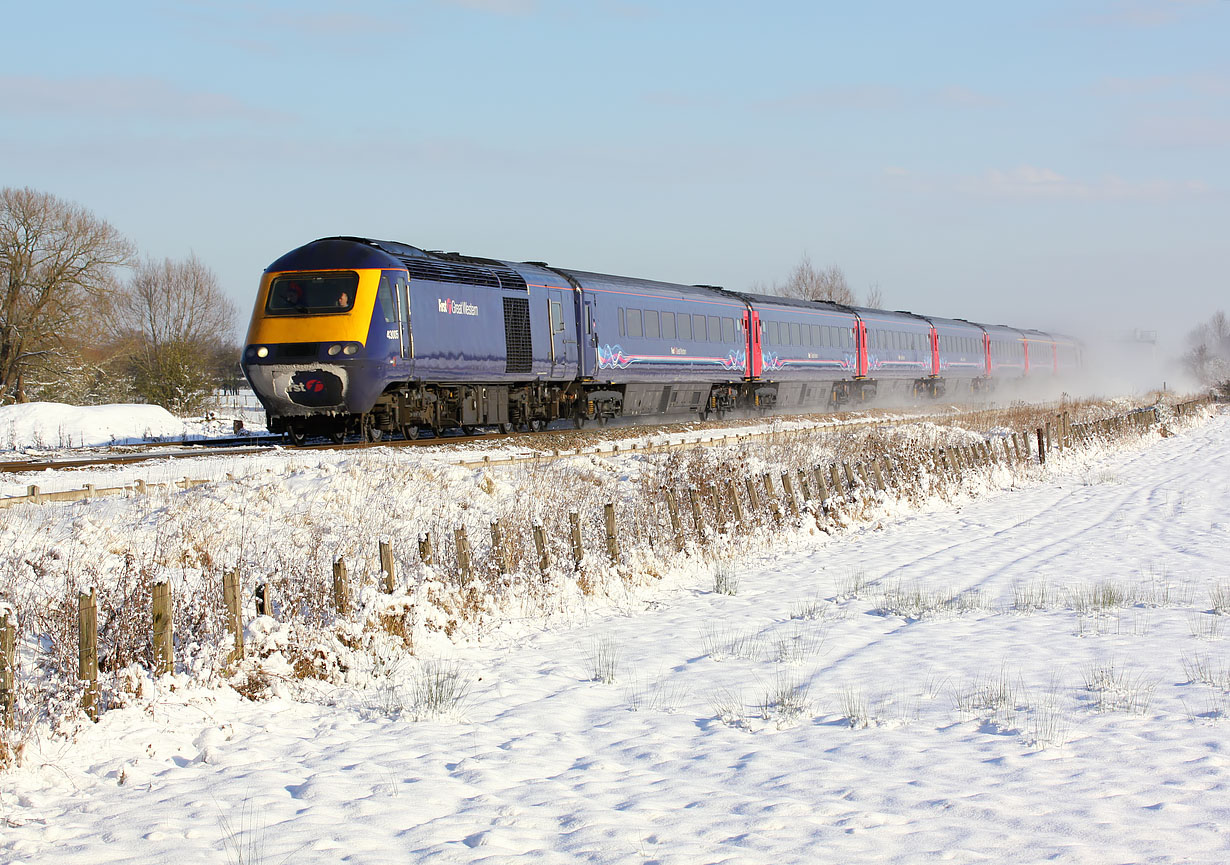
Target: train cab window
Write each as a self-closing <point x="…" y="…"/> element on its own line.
<point x="685" y="326"/>
<point x="312" y="293"/>
<point x="698" y="328"/>
<point x="385" y="295"/>
<point x="634" y="323"/>
<point x="728" y="330"/>
<point x="715" y="328"/>
<point x="668" y="325"/>
<point x="653" y="328"/>
<point x="557" y="317"/>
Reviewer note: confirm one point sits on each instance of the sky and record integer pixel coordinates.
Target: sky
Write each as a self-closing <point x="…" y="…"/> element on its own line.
<point x="1059" y="165"/>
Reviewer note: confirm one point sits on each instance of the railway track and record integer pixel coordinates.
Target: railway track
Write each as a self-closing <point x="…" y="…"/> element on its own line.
<point x="546" y="442"/>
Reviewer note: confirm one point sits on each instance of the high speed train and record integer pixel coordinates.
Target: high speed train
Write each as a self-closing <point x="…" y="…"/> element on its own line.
<point x="351" y="335"/>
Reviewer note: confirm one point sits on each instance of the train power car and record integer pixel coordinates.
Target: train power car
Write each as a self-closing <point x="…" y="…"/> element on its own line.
<point x="351" y="335"/>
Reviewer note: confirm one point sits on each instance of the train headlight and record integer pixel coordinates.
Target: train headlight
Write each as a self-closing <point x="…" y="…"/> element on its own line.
<point x="335" y="350"/>
<point x="263" y="351"/>
<point x="351" y="348"/>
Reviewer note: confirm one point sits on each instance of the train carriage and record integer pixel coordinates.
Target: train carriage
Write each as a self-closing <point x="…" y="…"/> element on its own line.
<point x="805" y="353"/>
<point x="961" y="356"/>
<point x="659" y="348"/>
<point x="898" y="350"/>
<point x="1007" y="353"/>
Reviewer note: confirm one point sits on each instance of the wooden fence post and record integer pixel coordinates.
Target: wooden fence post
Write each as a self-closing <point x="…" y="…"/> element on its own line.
<point x="804" y="487"/>
<point x="788" y="494"/>
<point x="821" y="487"/>
<point x="463" y="551"/>
<point x="732" y="492"/>
<point x="875" y="467"/>
<point x="698" y="521"/>
<point x="849" y="478"/>
<point x="1025" y="445"/>
<point x="232" y="600"/>
<point x="87" y="653"/>
<point x="612" y="541"/>
<point x="718" y="510"/>
<point x="835" y="477"/>
<point x="164" y="657"/>
<point x="540" y="547"/>
<point x="1042" y="446"/>
<point x="386" y="566"/>
<point x="1048" y="446"/>
<point x="676" y="526"/>
<point x="752" y="498"/>
<point x="341" y="588"/>
<point x="499" y="548"/>
<point x="8" y="655"/>
<point x="578" y="552"/>
<point x="426" y="556"/>
<point x="770" y="496"/>
<point x="263" y="600"/>
<point x="1007" y="453"/>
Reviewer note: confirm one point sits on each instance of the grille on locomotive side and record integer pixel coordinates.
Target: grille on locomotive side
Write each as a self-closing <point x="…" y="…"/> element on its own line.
<point x="517" y="335"/>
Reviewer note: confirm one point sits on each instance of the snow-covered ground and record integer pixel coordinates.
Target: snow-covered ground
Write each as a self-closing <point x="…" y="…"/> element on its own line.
<point x="1037" y="673"/>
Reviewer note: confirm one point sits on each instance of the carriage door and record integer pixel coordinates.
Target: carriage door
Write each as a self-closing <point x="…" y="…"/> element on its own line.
<point x="755" y="367"/>
<point x="561" y="308"/>
<point x="401" y="293"/>
<point x="589" y="335"/>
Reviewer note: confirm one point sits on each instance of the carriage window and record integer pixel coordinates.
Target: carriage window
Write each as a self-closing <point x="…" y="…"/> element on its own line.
<point x="621" y="321"/>
<point x="771" y="332"/>
<point x="795" y="339"/>
<point x="685" y="326"/>
<point x="806" y="334"/>
<point x="668" y="325"/>
<point x="652" y="330"/>
<point x="634" y="323"/>
<point x="698" y="328"/>
<point x="715" y="329"/>
<point x="728" y="330"/>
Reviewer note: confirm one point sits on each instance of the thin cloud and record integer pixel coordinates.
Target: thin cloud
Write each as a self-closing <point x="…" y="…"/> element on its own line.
<point x="1034" y="183"/>
<point x="123" y="98"/>
<point x="498" y="7"/>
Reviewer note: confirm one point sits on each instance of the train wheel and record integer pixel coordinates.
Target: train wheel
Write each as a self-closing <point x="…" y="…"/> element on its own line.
<point x="536" y="425"/>
<point x="410" y="432"/>
<point x="373" y="433"/>
<point x="296" y="435"/>
<point x="505" y="428"/>
<point x="338" y="436"/>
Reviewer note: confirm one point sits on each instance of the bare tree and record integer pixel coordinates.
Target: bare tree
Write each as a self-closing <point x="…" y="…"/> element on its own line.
<point x="176" y="322"/>
<point x="875" y="296"/>
<point x="57" y="260"/>
<point x="809" y="283"/>
<point x="1208" y="357"/>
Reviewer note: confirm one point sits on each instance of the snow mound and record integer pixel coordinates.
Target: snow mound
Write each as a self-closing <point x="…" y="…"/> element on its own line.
<point x="55" y="425"/>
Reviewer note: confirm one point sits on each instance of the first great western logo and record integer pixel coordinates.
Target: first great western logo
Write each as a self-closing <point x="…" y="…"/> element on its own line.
<point x="456" y="307"/>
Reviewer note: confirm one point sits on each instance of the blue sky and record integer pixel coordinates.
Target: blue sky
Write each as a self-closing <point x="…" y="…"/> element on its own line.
<point x="1050" y="164"/>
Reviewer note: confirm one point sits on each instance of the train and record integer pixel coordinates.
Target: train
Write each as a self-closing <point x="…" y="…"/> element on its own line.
<point x="356" y="336"/>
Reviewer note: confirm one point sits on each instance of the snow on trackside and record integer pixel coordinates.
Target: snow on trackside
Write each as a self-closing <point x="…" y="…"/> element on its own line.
<point x="1030" y="667"/>
<point x="54" y="425"/>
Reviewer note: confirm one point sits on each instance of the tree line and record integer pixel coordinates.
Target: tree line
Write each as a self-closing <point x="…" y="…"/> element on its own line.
<point x="85" y="320"/>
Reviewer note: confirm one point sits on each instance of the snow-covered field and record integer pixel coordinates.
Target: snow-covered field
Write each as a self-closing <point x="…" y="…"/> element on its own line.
<point x="1029" y="668"/>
